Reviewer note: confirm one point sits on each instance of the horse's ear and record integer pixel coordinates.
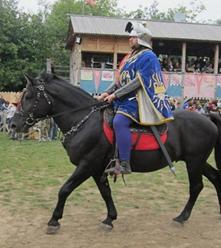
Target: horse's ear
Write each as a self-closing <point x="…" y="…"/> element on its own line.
<point x="29" y="81"/>
<point x="52" y="69"/>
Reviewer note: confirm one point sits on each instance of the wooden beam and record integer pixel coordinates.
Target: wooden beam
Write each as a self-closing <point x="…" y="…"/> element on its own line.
<point x="216" y="59"/>
<point x="104" y="44"/>
<point x="183" y="65"/>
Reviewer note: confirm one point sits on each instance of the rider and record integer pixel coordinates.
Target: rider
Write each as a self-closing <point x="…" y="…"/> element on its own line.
<point x="139" y="95"/>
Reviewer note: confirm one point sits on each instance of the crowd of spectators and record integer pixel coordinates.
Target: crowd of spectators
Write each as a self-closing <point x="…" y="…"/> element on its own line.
<point x="170" y="64"/>
<point x="200" y="65"/>
<point x="194" y="64"/>
<point x="7" y="111"/>
<point x="196" y="105"/>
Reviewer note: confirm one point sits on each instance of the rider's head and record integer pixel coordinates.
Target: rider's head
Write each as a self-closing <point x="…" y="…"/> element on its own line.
<point x="139" y="35"/>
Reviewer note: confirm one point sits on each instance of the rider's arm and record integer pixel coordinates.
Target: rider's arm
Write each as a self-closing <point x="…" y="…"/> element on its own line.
<point x="128" y="88"/>
<point x="111" y="88"/>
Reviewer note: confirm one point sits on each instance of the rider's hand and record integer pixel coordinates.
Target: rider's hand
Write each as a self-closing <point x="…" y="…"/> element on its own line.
<point x="102" y="96"/>
<point x="110" y="98"/>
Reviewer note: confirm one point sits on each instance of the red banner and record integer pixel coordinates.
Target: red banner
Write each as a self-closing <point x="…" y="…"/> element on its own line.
<point x="166" y="77"/>
<point x="199" y="85"/>
<point x="207" y="86"/>
<point x="97" y="79"/>
<point x="176" y="79"/>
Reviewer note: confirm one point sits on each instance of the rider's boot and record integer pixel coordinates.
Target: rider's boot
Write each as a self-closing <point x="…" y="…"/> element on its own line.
<point x="125" y="167"/>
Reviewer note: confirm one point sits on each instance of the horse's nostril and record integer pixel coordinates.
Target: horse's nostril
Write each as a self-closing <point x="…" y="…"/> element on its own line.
<point x="13" y="126"/>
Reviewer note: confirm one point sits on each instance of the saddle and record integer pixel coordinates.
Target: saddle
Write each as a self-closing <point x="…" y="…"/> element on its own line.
<point x="142" y="136"/>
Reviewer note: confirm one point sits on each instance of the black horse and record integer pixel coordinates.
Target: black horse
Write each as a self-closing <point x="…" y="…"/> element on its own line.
<point x="191" y="138"/>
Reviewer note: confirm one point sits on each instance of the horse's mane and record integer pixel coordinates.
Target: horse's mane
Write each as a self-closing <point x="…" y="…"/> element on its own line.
<point x="67" y="92"/>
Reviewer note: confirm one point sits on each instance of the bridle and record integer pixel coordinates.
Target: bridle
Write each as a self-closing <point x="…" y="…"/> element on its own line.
<point x="30" y="120"/>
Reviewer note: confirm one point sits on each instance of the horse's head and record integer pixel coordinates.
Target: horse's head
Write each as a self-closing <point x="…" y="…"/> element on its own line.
<point x="35" y="105"/>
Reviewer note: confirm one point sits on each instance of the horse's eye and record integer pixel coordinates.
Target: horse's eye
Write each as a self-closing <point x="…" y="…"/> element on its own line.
<point x="28" y="96"/>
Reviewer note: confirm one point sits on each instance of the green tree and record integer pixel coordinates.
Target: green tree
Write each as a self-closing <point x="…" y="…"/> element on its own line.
<point x="152" y="12"/>
<point x="8" y="49"/>
<point x="22" y="48"/>
<point x="27" y="40"/>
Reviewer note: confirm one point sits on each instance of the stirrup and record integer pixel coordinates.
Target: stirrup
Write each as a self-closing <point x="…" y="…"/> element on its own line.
<point x="113" y="170"/>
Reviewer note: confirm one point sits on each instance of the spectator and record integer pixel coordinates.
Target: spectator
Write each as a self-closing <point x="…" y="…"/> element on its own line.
<point x="172" y="104"/>
<point x="190" y="66"/>
<point x="177" y="67"/>
<point x="170" y="65"/>
<point x="209" y="68"/>
<point x="200" y="109"/>
<point x="2" y="103"/>
<point x="53" y="130"/>
<point x="11" y="108"/>
<point x="187" y="103"/>
<point x="178" y="105"/>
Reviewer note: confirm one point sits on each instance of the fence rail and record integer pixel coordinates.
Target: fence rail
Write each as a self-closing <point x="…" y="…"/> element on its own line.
<point x="11" y="97"/>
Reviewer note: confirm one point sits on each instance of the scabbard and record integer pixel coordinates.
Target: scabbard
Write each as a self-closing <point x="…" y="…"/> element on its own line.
<point x="163" y="149"/>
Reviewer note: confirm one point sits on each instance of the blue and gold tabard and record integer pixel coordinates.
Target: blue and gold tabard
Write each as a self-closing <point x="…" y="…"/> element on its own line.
<point x="148" y="105"/>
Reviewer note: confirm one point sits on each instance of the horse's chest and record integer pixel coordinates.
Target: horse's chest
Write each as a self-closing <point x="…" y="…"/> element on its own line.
<point x="77" y="149"/>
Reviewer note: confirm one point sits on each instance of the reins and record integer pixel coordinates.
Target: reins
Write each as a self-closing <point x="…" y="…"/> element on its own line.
<point x="94" y="108"/>
<point x="99" y="105"/>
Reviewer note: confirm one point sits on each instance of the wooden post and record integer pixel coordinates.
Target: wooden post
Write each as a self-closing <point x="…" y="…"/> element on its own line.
<point x="48" y="66"/>
<point x="75" y="65"/>
<point x="183" y="67"/>
<point x="216" y="59"/>
<point x="115" y="61"/>
<point x="79" y="62"/>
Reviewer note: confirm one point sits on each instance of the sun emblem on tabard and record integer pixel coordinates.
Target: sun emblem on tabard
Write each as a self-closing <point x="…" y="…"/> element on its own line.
<point x="124" y="78"/>
<point x="158" y="84"/>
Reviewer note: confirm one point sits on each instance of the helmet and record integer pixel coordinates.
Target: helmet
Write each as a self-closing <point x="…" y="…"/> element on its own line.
<point x="138" y="30"/>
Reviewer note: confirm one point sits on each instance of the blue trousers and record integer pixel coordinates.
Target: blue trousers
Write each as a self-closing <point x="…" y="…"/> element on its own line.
<point x="121" y="124"/>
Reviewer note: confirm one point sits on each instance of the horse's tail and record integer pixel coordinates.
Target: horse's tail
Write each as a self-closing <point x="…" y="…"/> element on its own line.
<point x="216" y="119"/>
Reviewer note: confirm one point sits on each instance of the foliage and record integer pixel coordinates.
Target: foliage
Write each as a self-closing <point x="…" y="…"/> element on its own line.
<point x="152" y="12"/>
<point x="27" y="40"/>
<point x="22" y="48"/>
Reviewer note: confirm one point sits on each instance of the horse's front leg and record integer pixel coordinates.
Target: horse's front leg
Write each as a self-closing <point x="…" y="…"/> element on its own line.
<point x="104" y="188"/>
<point x="81" y="174"/>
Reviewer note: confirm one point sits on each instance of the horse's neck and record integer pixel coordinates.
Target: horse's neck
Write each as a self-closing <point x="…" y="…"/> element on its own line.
<point x="69" y="103"/>
<point x="67" y="116"/>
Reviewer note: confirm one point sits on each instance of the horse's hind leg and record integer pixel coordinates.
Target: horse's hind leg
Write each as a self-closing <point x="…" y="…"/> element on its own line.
<point x="81" y="174"/>
<point x="105" y="191"/>
<point x="213" y="176"/>
<point x="195" y="186"/>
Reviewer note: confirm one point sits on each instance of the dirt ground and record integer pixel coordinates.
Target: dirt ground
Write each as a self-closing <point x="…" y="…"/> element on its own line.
<point x="138" y="228"/>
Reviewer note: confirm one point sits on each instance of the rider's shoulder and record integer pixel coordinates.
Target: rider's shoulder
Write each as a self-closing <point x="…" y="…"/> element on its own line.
<point x="148" y="54"/>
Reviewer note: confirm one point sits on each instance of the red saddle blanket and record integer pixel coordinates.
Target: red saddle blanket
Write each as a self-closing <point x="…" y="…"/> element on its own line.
<point x="140" y="141"/>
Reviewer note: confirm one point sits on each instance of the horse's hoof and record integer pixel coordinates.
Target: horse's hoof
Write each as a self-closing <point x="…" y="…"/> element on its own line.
<point x="106" y="227"/>
<point x="178" y="221"/>
<point x="53" y="229"/>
